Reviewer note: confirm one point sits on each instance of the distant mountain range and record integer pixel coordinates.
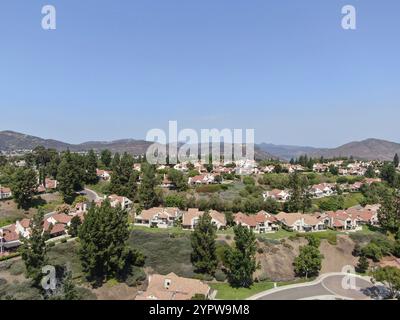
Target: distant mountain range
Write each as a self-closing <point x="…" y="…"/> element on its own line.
<point x="10" y="140"/>
<point x="370" y="149"/>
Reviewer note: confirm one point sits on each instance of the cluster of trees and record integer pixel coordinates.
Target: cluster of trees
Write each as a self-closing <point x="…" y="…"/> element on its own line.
<point x="390" y="175"/>
<point x="238" y="261"/>
<point x="103" y="250"/>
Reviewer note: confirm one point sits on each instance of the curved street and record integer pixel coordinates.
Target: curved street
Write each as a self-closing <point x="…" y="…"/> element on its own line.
<point x="327" y="286"/>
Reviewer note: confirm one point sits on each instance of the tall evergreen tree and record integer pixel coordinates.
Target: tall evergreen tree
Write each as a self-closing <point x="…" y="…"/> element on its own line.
<point x="241" y="260"/>
<point x="90" y="167"/>
<point x="33" y="249"/>
<point x="104" y="252"/>
<point x="106" y="158"/>
<point x="69" y="177"/>
<point x="300" y="199"/>
<point x="204" y="256"/>
<point x="147" y="193"/>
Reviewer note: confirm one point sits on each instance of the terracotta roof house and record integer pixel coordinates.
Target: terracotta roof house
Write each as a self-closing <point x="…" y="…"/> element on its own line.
<point x="5" y="193"/>
<point x="158" y="217"/>
<point x="262" y="222"/>
<point x="192" y="217"/>
<point x="172" y="287"/>
<point x="202" y="179"/>
<point x="116" y="200"/>
<point x="322" y="190"/>
<point x="301" y="222"/>
<point x="103" y="174"/>
<point x="9" y="238"/>
<point x="277" y="194"/>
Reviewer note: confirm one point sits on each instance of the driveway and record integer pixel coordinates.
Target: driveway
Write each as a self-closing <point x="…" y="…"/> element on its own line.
<point x="327" y="286"/>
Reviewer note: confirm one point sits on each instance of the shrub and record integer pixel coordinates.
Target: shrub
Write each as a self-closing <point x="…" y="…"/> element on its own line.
<point x="136" y="277"/>
<point x="373" y="252"/>
<point x="220" y="276"/>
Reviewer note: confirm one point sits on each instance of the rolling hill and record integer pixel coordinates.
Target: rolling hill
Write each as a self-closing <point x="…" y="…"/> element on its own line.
<point x="370" y="149"/>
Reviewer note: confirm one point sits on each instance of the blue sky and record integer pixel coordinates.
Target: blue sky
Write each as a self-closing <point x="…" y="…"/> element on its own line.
<point x="117" y="68"/>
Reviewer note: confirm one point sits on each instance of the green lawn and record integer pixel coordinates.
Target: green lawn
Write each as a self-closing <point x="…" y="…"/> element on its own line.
<point x="226" y="292"/>
<point x="350" y="199"/>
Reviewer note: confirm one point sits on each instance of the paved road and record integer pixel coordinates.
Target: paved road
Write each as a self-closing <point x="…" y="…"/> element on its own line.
<point x="90" y="194"/>
<point x="329" y="285"/>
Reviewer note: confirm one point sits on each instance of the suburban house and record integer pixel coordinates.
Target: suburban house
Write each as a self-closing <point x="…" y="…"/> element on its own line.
<point x="158" y="217"/>
<point x="277" y="194"/>
<point x="261" y="222"/>
<point x="166" y="183"/>
<point x="49" y="184"/>
<point x="9" y="239"/>
<point x="173" y="287"/>
<point x="192" y="217"/>
<point x="322" y="190"/>
<point x="22" y="227"/>
<point x="268" y="169"/>
<point x="301" y="222"/>
<point x="103" y="174"/>
<point x="207" y="178"/>
<point x="351" y="219"/>
<point x="246" y="167"/>
<point x="5" y="193"/>
<point x="320" y="167"/>
<point x="116" y="200"/>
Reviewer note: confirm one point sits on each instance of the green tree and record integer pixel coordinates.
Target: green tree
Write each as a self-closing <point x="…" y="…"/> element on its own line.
<point x="23" y="186"/>
<point x="362" y="265"/>
<point x="33" y="249"/>
<point x="204" y="257"/>
<point x="103" y="251"/>
<point x="179" y="179"/>
<point x="313" y="240"/>
<point x="389" y="212"/>
<point x="68" y="178"/>
<point x="106" y="158"/>
<point x="370" y="173"/>
<point x="388" y="174"/>
<point x="73" y="228"/>
<point x="90" y="167"/>
<point x="147" y="193"/>
<point x="334" y="170"/>
<point x="390" y="276"/>
<point x="396" y="160"/>
<point x="300" y="199"/>
<point x="241" y="259"/>
<point x="309" y="262"/>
